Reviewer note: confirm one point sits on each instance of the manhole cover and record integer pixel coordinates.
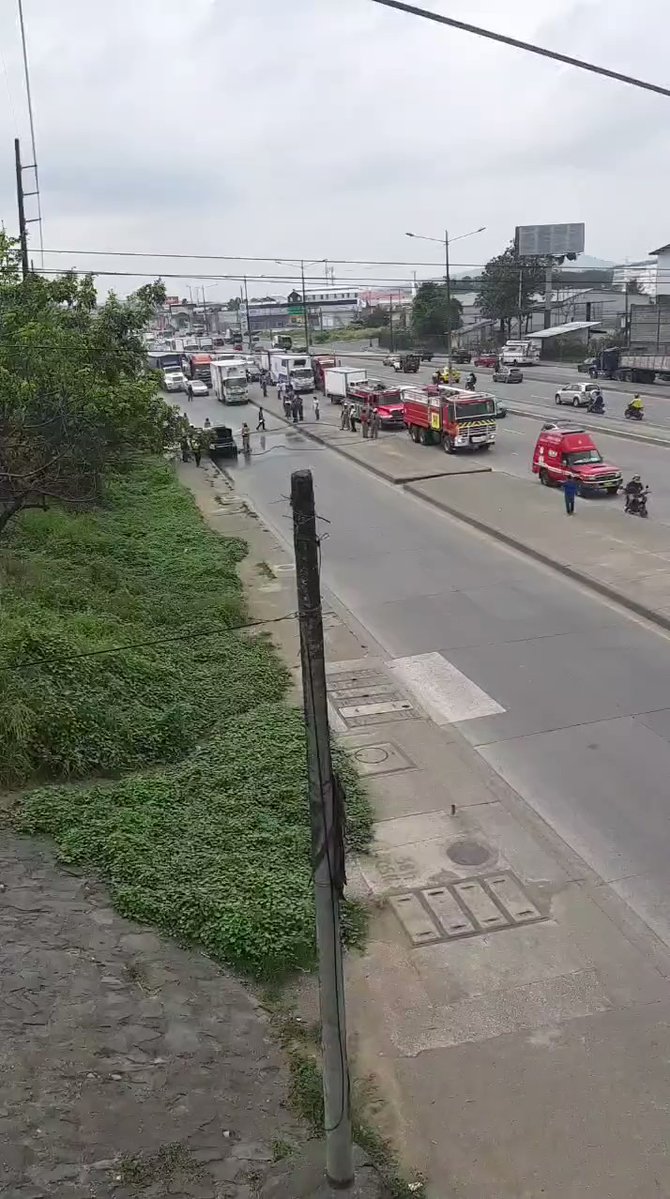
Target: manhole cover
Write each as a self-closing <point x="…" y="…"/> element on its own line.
<point x="372" y="754"/>
<point x="468" y="853"/>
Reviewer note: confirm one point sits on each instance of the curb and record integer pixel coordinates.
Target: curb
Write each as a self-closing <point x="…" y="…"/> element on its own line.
<point x="624" y="434"/>
<point x="573" y="572"/>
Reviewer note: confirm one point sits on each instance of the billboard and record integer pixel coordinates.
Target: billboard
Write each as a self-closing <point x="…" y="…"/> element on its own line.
<point x="542" y="241"/>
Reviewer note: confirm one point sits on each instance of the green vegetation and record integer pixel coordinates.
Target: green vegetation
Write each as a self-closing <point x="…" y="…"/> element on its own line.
<point x="430" y="310"/>
<point x="76" y="397"/>
<point x="507" y="287"/>
<point x="212" y="845"/>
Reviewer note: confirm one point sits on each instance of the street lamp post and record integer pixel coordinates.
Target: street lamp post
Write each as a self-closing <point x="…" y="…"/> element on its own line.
<point x="302" y="264"/>
<point x="447" y="279"/>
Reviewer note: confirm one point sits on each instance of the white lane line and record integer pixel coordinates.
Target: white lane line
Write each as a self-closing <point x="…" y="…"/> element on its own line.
<point x="443" y="691"/>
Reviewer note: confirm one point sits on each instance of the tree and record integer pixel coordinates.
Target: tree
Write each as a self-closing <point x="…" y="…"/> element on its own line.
<point x="507" y="285"/>
<point x="373" y="317"/>
<point x="429" y="311"/>
<point x="76" y="395"/>
<point x="633" y="288"/>
<point x="234" y="304"/>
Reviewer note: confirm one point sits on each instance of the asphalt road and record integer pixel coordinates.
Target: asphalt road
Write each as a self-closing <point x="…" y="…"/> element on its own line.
<point x="538" y="391"/>
<point x="573" y="696"/>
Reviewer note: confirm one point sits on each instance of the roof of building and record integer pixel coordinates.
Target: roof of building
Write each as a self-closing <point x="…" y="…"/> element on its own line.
<point x="562" y="330"/>
<point x="661" y="249"/>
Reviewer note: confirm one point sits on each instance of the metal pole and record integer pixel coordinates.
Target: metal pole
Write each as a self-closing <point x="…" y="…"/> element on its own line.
<point x="520" y="299"/>
<point x="23" y="231"/>
<point x="391" y="346"/>
<point x="548" y="291"/>
<point x="304" y="305"/>
<point x="448" y="286"/>
<point x="246" y="306"/>
<point x="627" y="318"/>
<point x="204" y="310"/>
<point x="326" y="826"/>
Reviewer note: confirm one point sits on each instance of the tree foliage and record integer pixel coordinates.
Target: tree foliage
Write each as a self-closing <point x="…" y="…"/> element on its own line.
<point x="373" y="317"/>
<point x="234" y="304"/>
<point x="76" y="394"/>
<point x="508" y="285"/>
<point x="429" y="310"/>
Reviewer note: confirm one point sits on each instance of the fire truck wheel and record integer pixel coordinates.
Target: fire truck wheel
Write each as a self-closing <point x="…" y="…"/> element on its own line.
<point x="414" y="432"/>
<point x="423" y="436"/>
<point x="448" y="445"/>
<point x="544" y="477"/>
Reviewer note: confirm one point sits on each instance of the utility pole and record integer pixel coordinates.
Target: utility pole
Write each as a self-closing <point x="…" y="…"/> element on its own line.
<point x="204" y="311"/>
<point x="246" y="308"/>
<point x="327" y="824"/>
<point x="391" y="346"/>
<point x="548" y="291"/>
<point x="520" y="299"/>
<point x="304" y="305"/>
<point x="447" y="281"/>
<point x="23" y="228"/>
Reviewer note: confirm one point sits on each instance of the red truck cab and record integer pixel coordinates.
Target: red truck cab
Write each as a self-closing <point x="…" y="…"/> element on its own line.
<point x="450" y="417"/>
<point x="564" y="450"/>
<point x="387" y="401"/>
<point x="320" y="364"/>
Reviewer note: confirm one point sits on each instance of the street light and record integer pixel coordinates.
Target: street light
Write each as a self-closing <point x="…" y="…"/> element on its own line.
<point x="301" y="263"/>
<point x="446" y="241"/>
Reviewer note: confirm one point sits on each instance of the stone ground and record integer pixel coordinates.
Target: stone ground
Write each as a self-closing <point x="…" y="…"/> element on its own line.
<point x="129" y="1067"/>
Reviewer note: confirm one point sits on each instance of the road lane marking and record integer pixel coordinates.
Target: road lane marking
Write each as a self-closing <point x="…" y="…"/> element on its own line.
<point x="443" y="691"/>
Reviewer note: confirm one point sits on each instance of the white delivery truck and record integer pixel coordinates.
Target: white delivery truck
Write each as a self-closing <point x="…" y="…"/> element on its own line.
<point x="338" y="379"/>
<point x="520" y="353"/>
<point x="294" y="368"/>
<point x="229" y="380"/>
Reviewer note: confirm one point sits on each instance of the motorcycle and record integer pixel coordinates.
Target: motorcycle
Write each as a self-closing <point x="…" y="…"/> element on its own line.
<point x="470" y="383"/>
<point x="634" y="413"/>
<point x="597" y="406"/>
<point x="636" y="505"/>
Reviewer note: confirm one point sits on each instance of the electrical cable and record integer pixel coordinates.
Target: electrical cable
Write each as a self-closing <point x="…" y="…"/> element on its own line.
<point x="530" y="47"/>
<point x="118" y="649"/>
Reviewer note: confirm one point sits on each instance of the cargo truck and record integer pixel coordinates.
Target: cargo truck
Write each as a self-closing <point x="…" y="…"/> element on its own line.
<point x="229" y="380"/>
<point x="625" y="365"/>
<point x="338" y="380"/>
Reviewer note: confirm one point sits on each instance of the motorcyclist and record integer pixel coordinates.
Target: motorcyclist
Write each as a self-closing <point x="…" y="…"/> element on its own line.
<point x="632" y="491"/>
<point x="636" y="405"/>
<point x="596" y="403"/>
<point x="471" y="381"/>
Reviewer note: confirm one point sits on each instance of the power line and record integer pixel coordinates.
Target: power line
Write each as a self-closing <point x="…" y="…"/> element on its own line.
<point x="150" y="644"/>
<point x="26" y="70"/>
<point x="248" y="258"/>
<point x="529" y="47"/>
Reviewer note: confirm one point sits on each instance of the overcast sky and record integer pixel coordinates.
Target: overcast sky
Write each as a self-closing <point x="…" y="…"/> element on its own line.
<point x="327" y="128"/>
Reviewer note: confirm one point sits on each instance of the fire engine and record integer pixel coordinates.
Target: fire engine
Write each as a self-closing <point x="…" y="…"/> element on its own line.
<point x="387" y="401"/>
<point x="450" y="417"/>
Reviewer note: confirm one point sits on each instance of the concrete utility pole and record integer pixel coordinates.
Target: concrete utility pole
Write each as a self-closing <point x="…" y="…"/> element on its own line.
<point x="23" y="228"/>
<point x="327" y="824"/>
<point x="246" y="308"/>
<point x="548" y="291"/>
<point x="447" y="283"/>
<point x="304" y="305"/>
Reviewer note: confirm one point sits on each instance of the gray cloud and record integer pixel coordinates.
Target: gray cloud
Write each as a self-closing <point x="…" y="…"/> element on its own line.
<point x="328" y="129"/>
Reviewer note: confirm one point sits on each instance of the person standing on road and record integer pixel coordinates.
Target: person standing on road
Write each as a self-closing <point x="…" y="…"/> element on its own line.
<point x="375" y="422"/>
<point x="261" y="419"/>
<point x="365" y="420"/>
<point x="569" y="493"/>
<point x="185" y="449"/>
<point x="300" y="403"/>
<point x="264" y="384"/>
<point x="353" y="417"/>
<point x="317" y="408"/>
<point x="344" y="416"/>
<point x="197" y="450"/>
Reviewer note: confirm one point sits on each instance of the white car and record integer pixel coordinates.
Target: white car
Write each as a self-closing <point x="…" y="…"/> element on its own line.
<point x="175" y="381"/>
<point x="577" y="394"/>
<point x="197" y="387"/>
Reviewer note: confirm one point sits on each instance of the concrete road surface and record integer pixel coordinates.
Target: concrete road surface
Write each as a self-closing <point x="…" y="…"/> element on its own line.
<point x="566" y="697"/>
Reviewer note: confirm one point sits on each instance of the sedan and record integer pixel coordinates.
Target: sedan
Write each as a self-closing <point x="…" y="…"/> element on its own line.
<point x="197" y="387"/>
<point x="508" y="374"/>
<point x="486" y="360"/>
<point x="577" y="394"/>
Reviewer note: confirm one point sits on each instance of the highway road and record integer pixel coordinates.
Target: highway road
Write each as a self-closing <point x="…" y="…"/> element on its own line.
<point x="572" y="695"/>
<point x="538" y="388"/>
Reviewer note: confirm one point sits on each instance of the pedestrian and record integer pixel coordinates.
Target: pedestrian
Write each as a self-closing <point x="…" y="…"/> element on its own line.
<point x="294" y="409"/>
<point x="365" y="421"/>
<point x="344" y="416"/>
<point x="375" y="422"/>
<point x="197" y="451"/>
<point x="261" y="419"/>
<point x="353" y="417"/>
<point x="569" y="493"/>
<point x="264" y="385"/>
<point x="317" y="408"/>
<point x="185" y="450"/>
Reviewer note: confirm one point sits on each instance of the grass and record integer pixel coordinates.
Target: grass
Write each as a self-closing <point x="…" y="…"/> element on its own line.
<point x="204" y="832"/>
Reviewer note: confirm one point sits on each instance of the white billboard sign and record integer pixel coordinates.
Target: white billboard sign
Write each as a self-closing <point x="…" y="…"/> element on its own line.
<point x="541" y="241"/>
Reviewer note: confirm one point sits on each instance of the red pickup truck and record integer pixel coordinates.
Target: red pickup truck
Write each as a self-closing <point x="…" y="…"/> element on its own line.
<point x="387" y="401"/>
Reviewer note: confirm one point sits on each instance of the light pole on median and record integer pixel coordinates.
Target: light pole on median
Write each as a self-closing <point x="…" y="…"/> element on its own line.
<point x="445" y="241"/>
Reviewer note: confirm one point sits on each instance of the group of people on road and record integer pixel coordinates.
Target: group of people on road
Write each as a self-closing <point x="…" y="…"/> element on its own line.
<point x="365" y="415"/>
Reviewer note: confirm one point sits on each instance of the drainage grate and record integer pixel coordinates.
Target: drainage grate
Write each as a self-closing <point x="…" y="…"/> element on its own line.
<point x="367" y="697"/>
<point x="467" y="908"/>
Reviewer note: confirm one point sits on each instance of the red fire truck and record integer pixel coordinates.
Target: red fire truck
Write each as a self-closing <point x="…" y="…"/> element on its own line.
<point x="387" y="401"/>
<point x="450" y="417"/>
